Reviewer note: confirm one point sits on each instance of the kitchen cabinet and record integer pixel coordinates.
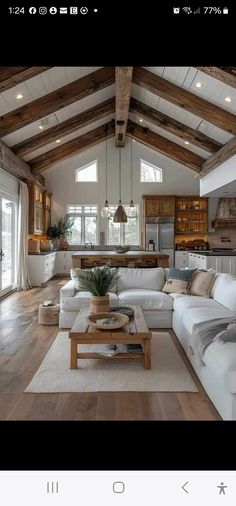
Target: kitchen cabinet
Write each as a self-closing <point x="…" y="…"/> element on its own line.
<point x="47" y="206"/>
<point x="64" y="262"/>
<point x="181" y="259"/>
<point x="225" y="264"/>
<point x="39" y="208"/>
<point x="41" y="268"/>
<point x="155" y="205"/>
<point x="191" y="215"/>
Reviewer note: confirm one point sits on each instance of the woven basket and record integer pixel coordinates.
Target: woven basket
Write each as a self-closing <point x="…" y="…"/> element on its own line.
<point x="49" y="315"/>
<point x="122" y="320"/>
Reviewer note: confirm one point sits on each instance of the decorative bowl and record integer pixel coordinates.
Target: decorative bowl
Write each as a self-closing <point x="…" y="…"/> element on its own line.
<point x="122" y="249"/>
<point x="104" y="320"/>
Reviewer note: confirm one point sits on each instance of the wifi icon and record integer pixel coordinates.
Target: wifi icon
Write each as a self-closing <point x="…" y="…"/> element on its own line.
<point x="187" y="10"/>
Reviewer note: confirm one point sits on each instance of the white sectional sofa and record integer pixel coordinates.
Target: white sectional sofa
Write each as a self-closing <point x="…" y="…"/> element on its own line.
<point x="180" y="312"/>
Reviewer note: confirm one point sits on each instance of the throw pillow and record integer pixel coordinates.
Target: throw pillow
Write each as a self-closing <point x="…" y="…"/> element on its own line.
<point x="201" y="283"/>
<point x="227" y="335"/>
<point x="74" y="275"/>
<point x="178" y="280"/>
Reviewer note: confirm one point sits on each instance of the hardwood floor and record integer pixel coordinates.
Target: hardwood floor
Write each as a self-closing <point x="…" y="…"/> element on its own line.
<point x="24" y="344"/>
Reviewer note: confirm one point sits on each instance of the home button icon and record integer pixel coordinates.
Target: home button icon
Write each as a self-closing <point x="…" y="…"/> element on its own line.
<point x="118" y="487"/>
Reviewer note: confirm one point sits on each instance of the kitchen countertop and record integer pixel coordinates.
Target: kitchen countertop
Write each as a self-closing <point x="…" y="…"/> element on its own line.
<point x="210" y="253"/>
<point x="105" y="252"/>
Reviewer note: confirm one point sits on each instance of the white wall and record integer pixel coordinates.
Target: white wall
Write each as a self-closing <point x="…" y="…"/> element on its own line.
<point x="60" y="179"/>
<point x="219" y="177"/>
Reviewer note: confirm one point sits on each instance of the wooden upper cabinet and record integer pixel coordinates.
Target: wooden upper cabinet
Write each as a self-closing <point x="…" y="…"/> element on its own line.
<point x="47" y="205"/>
<point x="158" y="206"/>
<point x="39" y="208"/>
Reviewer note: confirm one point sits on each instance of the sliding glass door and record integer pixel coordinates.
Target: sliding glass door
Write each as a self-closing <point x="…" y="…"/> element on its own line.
<point x="8" y="243"/>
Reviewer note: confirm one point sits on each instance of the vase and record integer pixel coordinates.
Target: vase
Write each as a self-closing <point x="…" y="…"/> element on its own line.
<point x="99" y="304"/>
<point x="56" y="244"/>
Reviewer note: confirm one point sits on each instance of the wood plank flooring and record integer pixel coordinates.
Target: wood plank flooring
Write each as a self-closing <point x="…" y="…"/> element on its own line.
<point x="24" y="344"/>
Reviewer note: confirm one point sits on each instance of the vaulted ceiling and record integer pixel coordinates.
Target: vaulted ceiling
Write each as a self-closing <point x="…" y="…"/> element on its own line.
<point x="51" y="113"/>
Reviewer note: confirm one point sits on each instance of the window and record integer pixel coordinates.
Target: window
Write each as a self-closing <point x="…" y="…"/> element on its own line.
<point x="88" y="173"/>
<point x="123" y="233"/>
<point x="150" y="173"/>
<point x="85" y="224"/>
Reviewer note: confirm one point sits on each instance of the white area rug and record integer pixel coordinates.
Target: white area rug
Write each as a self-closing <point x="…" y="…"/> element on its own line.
<point x="168" y="373"/>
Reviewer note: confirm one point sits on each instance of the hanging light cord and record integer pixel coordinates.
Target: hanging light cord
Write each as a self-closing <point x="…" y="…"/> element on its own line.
<point x="120" y="172"/>
<point x="131" y="178"/>
<point x="106" y="163"/>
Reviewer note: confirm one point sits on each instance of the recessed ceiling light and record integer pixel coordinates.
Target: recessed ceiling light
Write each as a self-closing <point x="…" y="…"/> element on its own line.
<point x="19" y="96"/>
<point x="186" y="142"/>
<point x="228" y="99"/>
<point x="134" y="140"/>
<point x="199" y="85"/>
<point x="141" y="120"/>
<point x="58" y="140"/>
<point x="40" y="127"/>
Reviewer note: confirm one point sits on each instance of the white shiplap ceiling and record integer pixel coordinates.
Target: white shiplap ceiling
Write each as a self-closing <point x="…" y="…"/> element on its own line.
<point x="212" y="90"/>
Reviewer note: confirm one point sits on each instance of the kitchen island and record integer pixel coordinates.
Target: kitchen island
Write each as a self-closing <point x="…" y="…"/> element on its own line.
<point x="93" y="258"/>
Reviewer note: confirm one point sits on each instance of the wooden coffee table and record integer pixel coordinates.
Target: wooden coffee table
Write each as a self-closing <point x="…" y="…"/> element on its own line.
<point x="135" y="332"/>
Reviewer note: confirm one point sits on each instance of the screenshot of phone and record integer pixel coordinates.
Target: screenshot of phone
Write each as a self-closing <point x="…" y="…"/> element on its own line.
<point x="117" y="252"/>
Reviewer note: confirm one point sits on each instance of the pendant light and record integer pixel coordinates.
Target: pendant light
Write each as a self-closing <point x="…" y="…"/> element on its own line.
<point x="131" y="209"/>
<point x="105" y="211"/>
<point x="120" y="215"/>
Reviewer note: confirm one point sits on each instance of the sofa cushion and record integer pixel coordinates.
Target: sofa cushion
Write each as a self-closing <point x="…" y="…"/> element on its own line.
<point x="202" y="314"/>
<point x="147" y="299"/>
<point x="193" y="301"/>
<point x="224" y="291"/>
<point x="148" y="279"/>
<point x="83" y="298"/>
<point x="201" y="283"/>
<point x="221" y="359"/>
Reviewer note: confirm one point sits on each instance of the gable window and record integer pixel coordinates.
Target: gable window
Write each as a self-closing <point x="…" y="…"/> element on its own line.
<point x="87" y="173"/>
<point x="150" y="173"/>
<point x="85" y="224"/>
<point x="123" y="233"/>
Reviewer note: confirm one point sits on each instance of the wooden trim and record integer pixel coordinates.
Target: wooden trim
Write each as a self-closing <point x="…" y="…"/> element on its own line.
<point x="65" y="127"/>
<point x="226" y="152"/>
<point x="11" y="76"/>
<point x="56" y="100"/>
<point x="123" y="91"/>
<point x="72" y="147"/>
<point x="226" y="75"/>
<point x="185" y="99"/>
<point x="164" y="146"/>
<point x="174" y="127"/>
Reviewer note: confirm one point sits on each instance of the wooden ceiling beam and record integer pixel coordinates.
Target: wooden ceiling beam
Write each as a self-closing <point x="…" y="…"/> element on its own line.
<point x="56" y="100"/>
<point x="123" y="91"/>
<point x="225" y="74"/>
<point x="185" y="99"/>
<point x="65" y="128"/>
<point x="226" y="152"/>
<point x="165" y="146"/>
<point x="11" y="76"/>
<point x="174" y="127"/>
<point x="68" y="149"/>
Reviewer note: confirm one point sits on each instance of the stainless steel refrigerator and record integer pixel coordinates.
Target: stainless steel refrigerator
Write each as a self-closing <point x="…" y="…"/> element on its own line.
<point x="161" y="231"/>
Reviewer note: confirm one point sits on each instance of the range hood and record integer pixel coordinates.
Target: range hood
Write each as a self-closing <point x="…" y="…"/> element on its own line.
<point x="225" y="213"/>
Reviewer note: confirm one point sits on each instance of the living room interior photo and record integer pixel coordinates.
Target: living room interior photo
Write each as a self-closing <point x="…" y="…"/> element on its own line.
<point x="118" y="243"/>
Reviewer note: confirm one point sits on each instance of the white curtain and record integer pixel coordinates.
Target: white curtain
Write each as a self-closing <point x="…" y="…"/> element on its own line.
<point x="23" y="282"/>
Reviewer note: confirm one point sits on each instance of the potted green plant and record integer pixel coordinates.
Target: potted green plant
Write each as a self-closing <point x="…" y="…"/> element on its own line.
<point x="99" y="282"/>
<point x="60" y="231"/>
